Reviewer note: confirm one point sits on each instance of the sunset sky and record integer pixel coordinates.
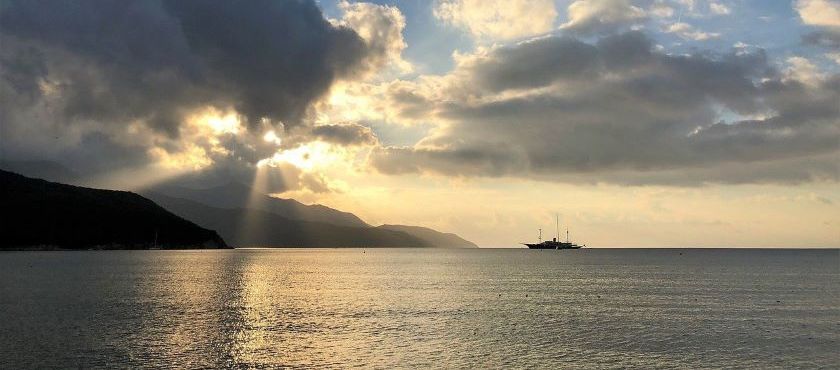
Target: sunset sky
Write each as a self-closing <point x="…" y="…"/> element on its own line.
<point x="649" y="123"/>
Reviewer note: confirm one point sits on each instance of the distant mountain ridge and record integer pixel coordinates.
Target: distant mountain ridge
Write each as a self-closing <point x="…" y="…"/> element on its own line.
<point x="41" y="214"/>
<point x="258" y="228"/>
<point x="277" y="222"/>
<point x="235" y="195"/>
<point x="431" y="236"/>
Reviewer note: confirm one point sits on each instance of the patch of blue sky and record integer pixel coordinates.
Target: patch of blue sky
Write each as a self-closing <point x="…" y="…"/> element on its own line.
<point x="430" y="42"/>
<point x="773" y="26"/>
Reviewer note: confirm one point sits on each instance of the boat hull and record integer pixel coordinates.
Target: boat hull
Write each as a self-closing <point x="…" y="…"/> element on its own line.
<point x="548" y="245"/>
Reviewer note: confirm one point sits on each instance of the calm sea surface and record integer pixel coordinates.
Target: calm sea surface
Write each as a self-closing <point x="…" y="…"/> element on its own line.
<point x="420" y="308"/>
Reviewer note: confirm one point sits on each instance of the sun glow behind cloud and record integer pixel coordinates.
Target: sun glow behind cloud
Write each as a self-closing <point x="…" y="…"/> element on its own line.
<point x="220" y="122"/>
<point x="200" y="140"/>
<point x="309" y="156"/>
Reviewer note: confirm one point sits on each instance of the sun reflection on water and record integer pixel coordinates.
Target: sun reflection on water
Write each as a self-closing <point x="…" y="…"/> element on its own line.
<point x="342" y="308"/>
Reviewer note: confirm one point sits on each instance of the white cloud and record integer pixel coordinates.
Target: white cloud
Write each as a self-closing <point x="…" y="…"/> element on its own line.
<point x="381" y="27"/>
<point x="499" y="19"/>
<point x="804" y="70"/>
<point x="719" y="8"/>
<point x="824" y="13"/>
<point x="834" y="57"/>
<point x="688" y="31"/>
<point x="598" y="16"/>
<point x="661" y="10"/>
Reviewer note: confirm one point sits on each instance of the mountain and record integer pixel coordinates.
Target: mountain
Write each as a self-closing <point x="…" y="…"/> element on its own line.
<point x="432" y="237"/>
<point x="238" y="196"/>
<point x="42" y="214"/>
<point x="248" y="218"/>
<point x="259" y="228"/>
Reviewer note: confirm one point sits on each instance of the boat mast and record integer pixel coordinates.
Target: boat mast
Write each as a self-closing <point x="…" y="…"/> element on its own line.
<point x="557" y="226"/>
<point x="540" y="235"/>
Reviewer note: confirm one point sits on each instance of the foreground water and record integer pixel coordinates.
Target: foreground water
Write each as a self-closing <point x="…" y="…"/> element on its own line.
<point x="420" y="308"/>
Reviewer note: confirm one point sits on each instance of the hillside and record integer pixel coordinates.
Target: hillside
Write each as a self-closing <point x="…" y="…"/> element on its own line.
<point x="42" y="214"/>
<point x="432" y="237"/>
<point x="238" y="196"/>
<point x="258" y="228"/>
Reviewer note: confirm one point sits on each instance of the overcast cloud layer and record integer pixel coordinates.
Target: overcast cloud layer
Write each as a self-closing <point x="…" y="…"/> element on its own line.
<point x="104" y="85"/>
<point x="110" y="85"/>
<point x="619" y="111"/>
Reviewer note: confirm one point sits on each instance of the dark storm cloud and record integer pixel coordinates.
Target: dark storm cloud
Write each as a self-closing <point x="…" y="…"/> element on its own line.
<point x="826" y="38"/>
<point x="494" y="159"/>
<point x="97" y="84"/>
<point x="275" y="56"/>
<point x="152" y="59"/>
<point x="535" y="64"/>
<point x="651" y="117"/>
<point x="345" y="134"/>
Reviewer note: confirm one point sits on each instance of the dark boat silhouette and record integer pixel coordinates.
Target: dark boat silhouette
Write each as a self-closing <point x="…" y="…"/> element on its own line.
<point x="554" y="243"/>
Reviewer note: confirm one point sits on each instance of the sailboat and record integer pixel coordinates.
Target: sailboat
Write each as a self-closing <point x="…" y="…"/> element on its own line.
<point x="554" y="243"/>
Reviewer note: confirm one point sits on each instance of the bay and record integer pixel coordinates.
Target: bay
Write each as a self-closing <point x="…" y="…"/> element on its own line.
<point x="420" y="308"/>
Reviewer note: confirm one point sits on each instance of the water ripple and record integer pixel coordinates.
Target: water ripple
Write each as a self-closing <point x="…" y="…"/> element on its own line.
<point x="419" y="309"/>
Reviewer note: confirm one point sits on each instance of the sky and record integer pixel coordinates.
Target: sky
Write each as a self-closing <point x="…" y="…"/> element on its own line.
<point x="639" y="123"/>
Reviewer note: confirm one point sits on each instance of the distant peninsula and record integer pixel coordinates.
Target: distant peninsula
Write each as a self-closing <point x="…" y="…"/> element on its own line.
<point x="39" y="214"/>
<point x="53" y="215"/>
<point x="286" y="223"/>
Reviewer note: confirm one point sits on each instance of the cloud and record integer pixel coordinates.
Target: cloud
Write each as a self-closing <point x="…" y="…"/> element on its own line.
<point x="498" y="19"/>
<point x="532" y="64"/>
<point x="619" y="111"/>
<point x="602" y="16"/>
<point x="803" y="70"/>
<point x="661" y="10"/>
<point x="825" y="13"/>
<point x="719" y="8"/>
<point x="193" y="53"/>
<point x="826" y="38"/>
<point x="687" y="31"/>
<point x="825" y="16"/>
<point x="381" y="27"/>
<point x="345" y="134"/>
<point x="111" y="85"/>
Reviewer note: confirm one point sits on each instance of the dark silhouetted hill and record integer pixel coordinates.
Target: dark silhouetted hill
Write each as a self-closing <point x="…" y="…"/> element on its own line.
<point x="238" y="196"/>
<point x="259" y="228"/>
<point x="432" y="237"/>
<point x="42" y="214"/>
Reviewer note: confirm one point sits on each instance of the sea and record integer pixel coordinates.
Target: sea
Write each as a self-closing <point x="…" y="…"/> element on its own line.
<point x="421" y="308"/>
